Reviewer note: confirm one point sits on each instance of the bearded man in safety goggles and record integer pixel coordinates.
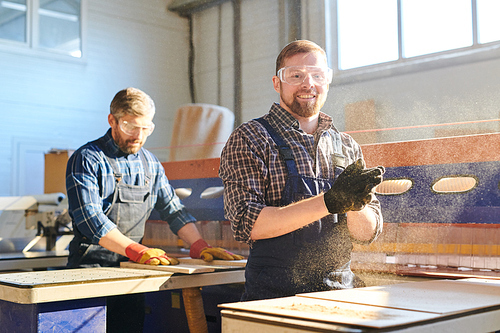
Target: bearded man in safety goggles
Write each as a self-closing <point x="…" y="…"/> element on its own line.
<point x="296" y="189"/>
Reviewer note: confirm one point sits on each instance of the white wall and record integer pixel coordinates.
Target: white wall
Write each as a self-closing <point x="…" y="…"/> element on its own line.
<point x="259" y="47"/>
<point x="48" y="103"/>
<point x="459" y="93"/>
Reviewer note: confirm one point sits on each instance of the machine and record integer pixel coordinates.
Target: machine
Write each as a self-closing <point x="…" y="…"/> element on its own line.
<point x="34" y="231"/>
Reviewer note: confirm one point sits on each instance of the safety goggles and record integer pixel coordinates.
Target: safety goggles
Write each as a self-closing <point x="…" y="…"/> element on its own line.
<point x="295" y="75"/>
<point x="133" y="129"/>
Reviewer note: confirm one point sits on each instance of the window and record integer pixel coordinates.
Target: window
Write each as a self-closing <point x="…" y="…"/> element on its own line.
<point x="49" y="25"/>
<point x="375" y="35"/>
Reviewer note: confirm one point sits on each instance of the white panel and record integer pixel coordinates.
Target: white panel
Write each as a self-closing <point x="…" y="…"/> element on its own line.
<point x="260" y="47"/>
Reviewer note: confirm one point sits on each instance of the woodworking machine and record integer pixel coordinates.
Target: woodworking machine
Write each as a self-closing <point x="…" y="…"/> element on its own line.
<point x="32" y="227"/>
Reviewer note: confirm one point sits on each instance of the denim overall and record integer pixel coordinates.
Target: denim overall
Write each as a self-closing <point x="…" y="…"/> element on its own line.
<point x="129" y="210"/>
<point x="313" y="258"/>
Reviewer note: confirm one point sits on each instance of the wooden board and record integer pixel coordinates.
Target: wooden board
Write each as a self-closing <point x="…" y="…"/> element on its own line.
<point x="71" y="284"/>
<point x="331" y="311"/>
<point x="181" y="268"/>
<point x="190" y="266"/>
<point x="440" y="296"/>
<point x="233" y="263"/>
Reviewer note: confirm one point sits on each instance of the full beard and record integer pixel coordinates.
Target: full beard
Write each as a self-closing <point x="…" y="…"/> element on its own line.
<point x="306" y="109"/>
<point x="124" y="147"/>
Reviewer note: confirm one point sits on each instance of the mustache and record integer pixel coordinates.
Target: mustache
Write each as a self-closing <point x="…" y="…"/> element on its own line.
<point x="307" y="91"/>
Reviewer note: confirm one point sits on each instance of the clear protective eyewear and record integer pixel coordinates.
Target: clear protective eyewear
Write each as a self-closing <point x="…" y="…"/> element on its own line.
<point x="295" y="75"/>
<point x="133" y="129"/>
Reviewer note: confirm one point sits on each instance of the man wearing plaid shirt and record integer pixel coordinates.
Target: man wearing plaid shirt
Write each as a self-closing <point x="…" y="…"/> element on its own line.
<point x="297" y="190"/>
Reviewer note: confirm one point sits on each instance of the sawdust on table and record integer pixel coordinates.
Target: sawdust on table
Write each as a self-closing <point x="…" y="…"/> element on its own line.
<point x="334" y="310"/>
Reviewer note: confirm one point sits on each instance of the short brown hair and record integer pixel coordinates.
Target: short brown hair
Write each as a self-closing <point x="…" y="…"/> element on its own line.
<point x="131" y="101"/>
<point x="296" y="47"/>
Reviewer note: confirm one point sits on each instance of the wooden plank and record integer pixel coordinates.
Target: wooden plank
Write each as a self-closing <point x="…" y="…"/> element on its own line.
<point x="440" y="296"/>
<point x="67" y="284"/>
<point x="460" y="149"/>
<point x="234" y="263"/>
<point x="245" y="321"/>
<point x="181" y="268"/>
<point x="331" y="312"/>
<point x="192" y="169"/>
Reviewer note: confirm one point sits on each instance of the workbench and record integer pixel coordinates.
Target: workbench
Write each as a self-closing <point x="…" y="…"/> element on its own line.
<point x="74" y="300"/>
<point x="467" y="305"/>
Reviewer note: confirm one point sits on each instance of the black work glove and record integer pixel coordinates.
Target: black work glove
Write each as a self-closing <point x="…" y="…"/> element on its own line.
<point x="353" y="188"/>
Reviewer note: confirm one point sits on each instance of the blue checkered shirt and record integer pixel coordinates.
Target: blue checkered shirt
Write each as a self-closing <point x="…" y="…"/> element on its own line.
<point x="254" y="175"/>
<point x="90" y="184"/>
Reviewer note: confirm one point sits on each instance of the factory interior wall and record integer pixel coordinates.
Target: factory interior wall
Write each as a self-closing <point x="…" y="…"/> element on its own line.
<point x="48" y="103"/>
<point x="446" y="94"/>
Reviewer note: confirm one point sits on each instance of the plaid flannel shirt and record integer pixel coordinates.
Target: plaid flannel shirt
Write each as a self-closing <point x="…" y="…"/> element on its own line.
<point x="254" y="174"/>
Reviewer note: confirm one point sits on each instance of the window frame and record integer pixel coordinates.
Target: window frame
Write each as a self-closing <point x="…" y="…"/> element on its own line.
<point x="31" y="47"/>
<point x="474" y="53"/>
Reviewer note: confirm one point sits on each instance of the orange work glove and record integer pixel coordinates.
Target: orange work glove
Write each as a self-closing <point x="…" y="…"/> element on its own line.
<point x="201" y="249"/>
<point x="145" y="255"/>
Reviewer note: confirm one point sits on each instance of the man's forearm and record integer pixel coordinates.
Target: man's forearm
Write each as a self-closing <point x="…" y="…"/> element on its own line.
<point x="116" y="242"/>
<point x="362" y="224"/>
<point x="189" y="233"/>
<point x="277" y="221"/>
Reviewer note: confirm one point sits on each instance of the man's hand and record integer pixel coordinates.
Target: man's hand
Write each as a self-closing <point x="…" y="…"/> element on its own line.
<point x="353" y="188"/>
<point x="201" y="249"/>
<point x="145" y="255"/>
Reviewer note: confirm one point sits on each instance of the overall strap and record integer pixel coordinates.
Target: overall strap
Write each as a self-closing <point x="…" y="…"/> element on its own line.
<point x="118" y="175"/>
<point x="114" y="166"/>
<point x="145" y="165"/>
<point x="284" y="149"/>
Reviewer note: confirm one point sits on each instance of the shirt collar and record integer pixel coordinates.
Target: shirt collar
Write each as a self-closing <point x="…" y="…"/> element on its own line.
<point x="283" y="117"/>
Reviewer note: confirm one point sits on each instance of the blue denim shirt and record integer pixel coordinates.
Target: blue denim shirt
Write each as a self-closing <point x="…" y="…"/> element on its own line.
<point x="90" y="184"/>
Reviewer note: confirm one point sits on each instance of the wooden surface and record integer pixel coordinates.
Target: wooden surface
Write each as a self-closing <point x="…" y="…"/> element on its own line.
<point x="67" y="284"/>
<point x="181" y="268"/>
<point x="192" y="169"/>
<point x="190" y="266"/>
<point x="439" y="296"/>
<point x="412" y="303"/>
<point x="331" y="312"/>
<point x="234" y="263"/>
<point x="459" y="149"/>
